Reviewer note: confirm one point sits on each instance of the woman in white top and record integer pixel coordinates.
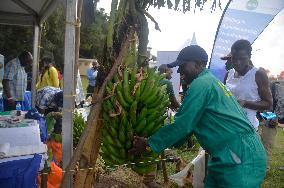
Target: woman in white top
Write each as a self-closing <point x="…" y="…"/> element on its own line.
<point x="248" y="84"/>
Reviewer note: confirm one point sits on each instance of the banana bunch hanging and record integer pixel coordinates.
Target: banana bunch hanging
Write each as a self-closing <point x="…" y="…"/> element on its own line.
<point x="136" y="105"/>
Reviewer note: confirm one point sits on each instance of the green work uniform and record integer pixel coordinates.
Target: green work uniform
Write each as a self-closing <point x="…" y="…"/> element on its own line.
<point x="212" y="114"/>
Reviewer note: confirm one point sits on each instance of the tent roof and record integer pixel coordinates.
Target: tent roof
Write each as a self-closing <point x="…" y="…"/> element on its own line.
<point x="191" y="41"/>
<point x="25" y="12"/>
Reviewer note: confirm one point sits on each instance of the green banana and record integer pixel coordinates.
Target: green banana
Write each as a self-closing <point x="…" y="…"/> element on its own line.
<point x="147" y="89"/>
<point x="126" y="92"/>
<point x="112" y="131"/>
<point x="148" y="129"/>
<point x="140" y="127"/>
<point x="114" y="151"/>
<point x="132" y="112"/>
<point x="108" y="140"/>
<point x="121" y="100"/>
<point x="121" y="136"/>
<point x="142" y="114"/>
<point x="157" y="102"/>
<point x="128" y="145"/>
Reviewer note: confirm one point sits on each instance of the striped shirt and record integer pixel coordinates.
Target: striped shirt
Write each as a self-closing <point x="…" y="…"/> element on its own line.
<point x="16" y="75"/>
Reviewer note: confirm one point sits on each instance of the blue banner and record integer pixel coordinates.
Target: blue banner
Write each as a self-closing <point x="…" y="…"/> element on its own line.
<point x="243" y="19"/>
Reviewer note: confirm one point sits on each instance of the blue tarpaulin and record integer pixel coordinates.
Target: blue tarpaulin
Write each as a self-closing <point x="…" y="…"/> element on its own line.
<point x="20" y="173"/>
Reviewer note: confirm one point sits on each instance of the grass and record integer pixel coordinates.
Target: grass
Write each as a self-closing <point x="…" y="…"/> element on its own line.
<point x="275" y="177"/>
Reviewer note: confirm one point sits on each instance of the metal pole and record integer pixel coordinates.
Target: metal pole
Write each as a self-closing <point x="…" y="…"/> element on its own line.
<point x="68" y="86"/>
<point x="35" y="62"/>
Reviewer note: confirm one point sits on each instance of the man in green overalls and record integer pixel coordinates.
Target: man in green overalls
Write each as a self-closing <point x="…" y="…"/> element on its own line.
<point x="213" y="115"/>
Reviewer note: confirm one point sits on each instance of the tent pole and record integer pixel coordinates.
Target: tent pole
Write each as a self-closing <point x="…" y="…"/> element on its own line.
<point x="35" y="61"/>
<point x="68" y="86"/>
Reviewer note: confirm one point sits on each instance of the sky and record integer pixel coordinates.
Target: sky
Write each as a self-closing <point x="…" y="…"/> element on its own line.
<point x="177" y="29"/>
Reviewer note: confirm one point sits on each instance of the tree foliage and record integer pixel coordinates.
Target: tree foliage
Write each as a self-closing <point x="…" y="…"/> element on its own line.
<point x="183" y="5"/>
<point x="14" y="39"/>
<point x="92" y="35"/>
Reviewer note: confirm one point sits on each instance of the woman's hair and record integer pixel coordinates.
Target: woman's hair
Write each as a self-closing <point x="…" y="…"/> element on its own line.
<point x="242" y="45"/>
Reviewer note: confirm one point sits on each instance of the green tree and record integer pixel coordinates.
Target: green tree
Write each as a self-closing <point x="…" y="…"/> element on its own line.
<point x="15" y="39"/>
<point x="93" y="36"/>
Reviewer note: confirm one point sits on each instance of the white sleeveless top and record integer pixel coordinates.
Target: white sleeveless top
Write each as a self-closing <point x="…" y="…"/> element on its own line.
<point x="245" y="88"/>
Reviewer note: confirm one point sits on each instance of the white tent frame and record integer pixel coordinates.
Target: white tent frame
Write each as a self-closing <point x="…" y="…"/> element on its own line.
<point x="34" y="13"/>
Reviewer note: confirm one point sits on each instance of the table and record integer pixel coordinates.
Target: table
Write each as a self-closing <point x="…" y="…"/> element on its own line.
<point x="27" y="104"/>
<point x="20" y="173"/>
<point x="26" y="155"/>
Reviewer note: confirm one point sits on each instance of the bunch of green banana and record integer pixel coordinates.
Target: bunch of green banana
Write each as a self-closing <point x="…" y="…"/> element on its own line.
<point x="78" y="128"/>
<point x="136" y="105"/>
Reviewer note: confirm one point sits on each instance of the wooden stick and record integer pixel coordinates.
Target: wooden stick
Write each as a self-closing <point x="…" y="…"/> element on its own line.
<point x="206" y="163"/>
<point x="165" y="174"/>
<point x="44" y="176"/>
<point x="94" y="155"/>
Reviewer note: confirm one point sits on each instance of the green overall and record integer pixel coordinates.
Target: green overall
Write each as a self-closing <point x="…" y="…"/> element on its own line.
<point x="212" y="114"/>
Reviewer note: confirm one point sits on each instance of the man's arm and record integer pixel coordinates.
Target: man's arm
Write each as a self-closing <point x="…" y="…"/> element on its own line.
<point x="174" y="103"/>
<point x="6" y="88"/>
<point x="9" y="74"/>
<point x="264" y="92"/>
<point x="186" y="119"/>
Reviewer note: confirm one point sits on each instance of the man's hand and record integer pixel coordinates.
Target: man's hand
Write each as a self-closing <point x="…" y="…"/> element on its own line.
<point x="272" y="122"/>
<point x="11" y="102"/>
<point x="139" y="146"/>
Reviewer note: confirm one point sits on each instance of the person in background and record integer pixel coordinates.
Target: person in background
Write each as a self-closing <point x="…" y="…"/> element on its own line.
<point x="277" y="89"/>
<point x="15" y="80"/>
<point x="92" y="75"/>
<point x="228" y="64"/>
<point x="248" y="84"/>
<point x="212" y="114"/>
<point x="60" y="78"/>
<point x="49" y="74"/>
<point x="164" y="69"/>
<point x="49" y="99"/>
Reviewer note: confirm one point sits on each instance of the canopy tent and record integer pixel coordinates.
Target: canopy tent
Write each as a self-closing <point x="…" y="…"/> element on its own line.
<point x="33" y="13"/>
<point x="25" y="12"/>
<point x="241" y="19"/>
<point x="28" y="13"/>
